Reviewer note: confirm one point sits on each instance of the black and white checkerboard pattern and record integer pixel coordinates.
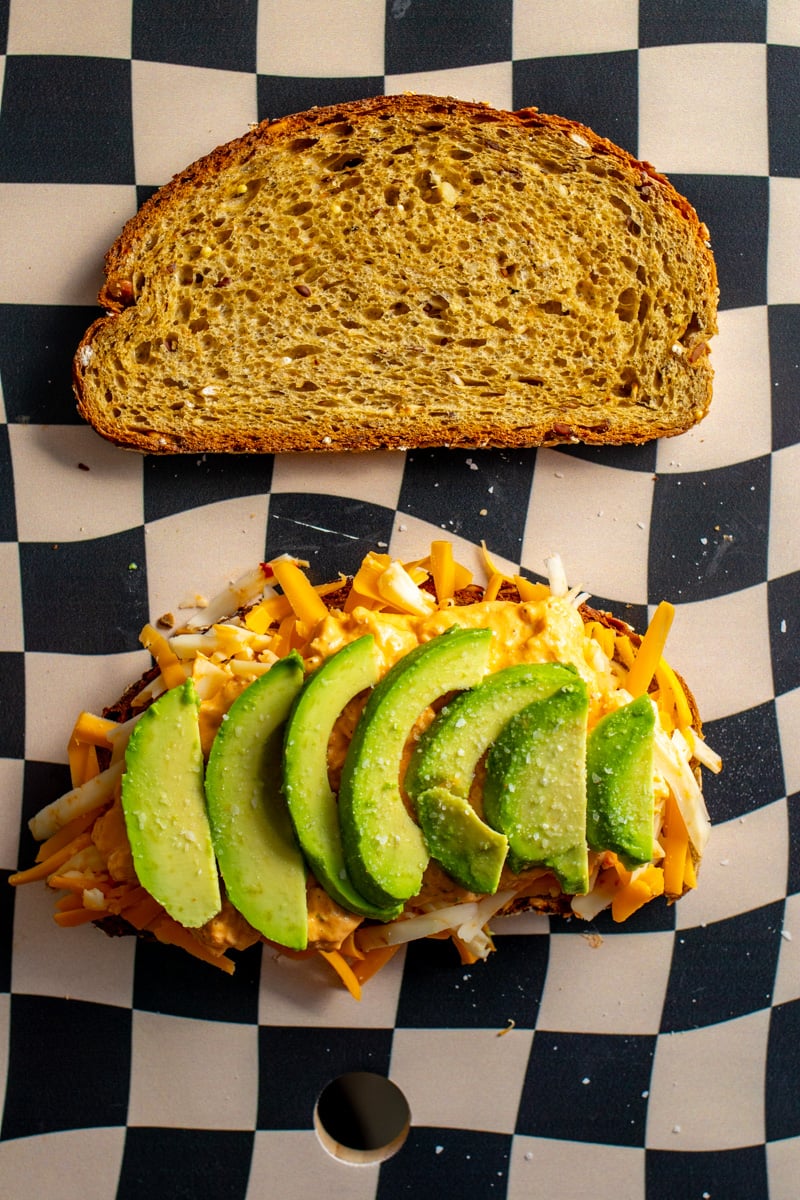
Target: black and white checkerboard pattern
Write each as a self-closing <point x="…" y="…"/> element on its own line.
<point x="661" y="1063"/>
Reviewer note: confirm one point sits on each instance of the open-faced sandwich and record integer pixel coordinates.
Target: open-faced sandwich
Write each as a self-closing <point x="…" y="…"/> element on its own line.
<point x="339" y="769"/>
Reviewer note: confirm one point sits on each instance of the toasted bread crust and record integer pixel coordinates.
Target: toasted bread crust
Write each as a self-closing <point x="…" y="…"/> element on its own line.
<point x="395" y="402"/>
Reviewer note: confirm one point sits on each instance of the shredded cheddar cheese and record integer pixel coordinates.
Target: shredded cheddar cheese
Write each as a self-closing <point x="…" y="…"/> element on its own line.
<point x="307" y="606"/>
<point x="651" y="649"/>
<point x="443" y="571"/>
<point x="172" y="671"/>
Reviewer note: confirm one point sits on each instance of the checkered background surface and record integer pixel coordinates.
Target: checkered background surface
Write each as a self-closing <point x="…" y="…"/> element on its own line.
<point x="663" y="1062"/>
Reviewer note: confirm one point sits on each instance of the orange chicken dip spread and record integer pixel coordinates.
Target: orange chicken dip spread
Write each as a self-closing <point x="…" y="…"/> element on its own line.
<point x="85" y="855"/>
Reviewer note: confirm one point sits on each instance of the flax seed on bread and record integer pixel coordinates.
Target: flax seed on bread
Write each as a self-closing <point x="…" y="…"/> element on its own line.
<point x="404" y="271"/>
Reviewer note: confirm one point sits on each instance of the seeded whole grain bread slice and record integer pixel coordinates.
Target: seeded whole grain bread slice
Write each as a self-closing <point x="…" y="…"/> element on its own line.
<point x="400" y="272"/>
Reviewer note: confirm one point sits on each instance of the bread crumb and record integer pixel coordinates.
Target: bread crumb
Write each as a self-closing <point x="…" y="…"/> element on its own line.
<point x="194" y="602"/>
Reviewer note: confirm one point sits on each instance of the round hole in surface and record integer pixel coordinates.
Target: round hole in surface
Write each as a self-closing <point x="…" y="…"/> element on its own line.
<point x="362" y="1117"/>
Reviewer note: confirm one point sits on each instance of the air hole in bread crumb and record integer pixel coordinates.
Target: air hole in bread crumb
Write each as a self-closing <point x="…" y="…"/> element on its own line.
<point x="627" y="304"/>
<point x="620" y="204"/>
<point x="342" y="162"/>
<point x="645" y="305"/>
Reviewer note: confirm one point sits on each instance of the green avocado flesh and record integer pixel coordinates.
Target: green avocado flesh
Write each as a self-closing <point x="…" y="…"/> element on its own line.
<point x="384" y="848"/>
<point x="312" y="804"/>
<point x="442" y="767"/>
<point x="260" y="860"/>
<point x="619" y="783"/>
<point x="535" y="787"/>
<point x="265" y="813"/>
<point x="165" y="809"/>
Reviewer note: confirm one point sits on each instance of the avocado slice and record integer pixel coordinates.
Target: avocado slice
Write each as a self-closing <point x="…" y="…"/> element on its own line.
<point x="260" y="860"/>
<point x="442" y="767"/>
<point x="535" y="786"/>
<point x="165" y="808"/>
<point x="312" y="804"/>
<point x="384" y="847"/>
<point x="619" y="783"/>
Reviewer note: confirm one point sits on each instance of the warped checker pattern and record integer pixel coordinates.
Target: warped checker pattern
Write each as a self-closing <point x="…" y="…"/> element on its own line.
<point x="662" y="1061"/>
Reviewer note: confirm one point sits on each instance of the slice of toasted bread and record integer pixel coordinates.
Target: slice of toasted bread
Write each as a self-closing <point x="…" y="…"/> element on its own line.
<point x="404" y="271"/>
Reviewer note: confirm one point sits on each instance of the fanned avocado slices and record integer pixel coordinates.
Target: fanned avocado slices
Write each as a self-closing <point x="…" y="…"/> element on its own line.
<point x="384" y="848"/>
<point x="260" y="860"/>
<point x="535" y="787"/>
<point x="266" y="808"/>
<point x="619" y="782"/>
<point x="442" y="767"/>
<point x="312" y="804"/>
<point x="165" y="809"/>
